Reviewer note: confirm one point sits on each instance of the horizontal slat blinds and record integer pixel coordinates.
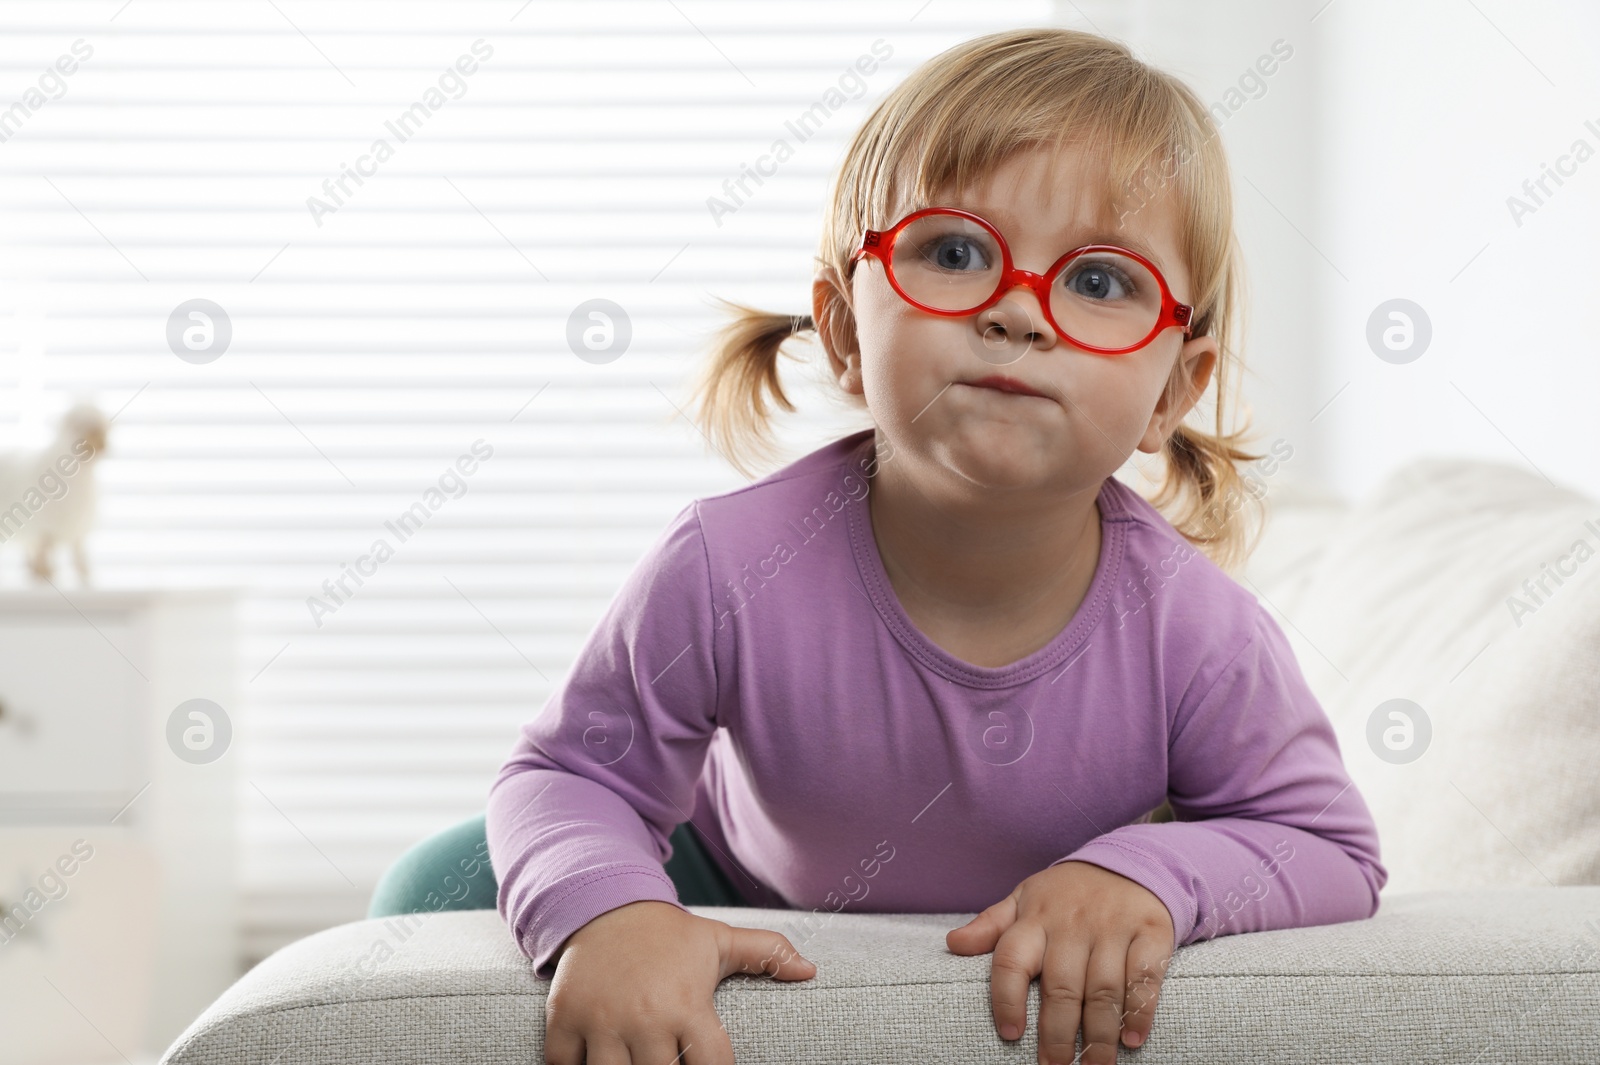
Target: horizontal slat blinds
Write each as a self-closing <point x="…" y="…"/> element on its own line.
<point x="378" y="336"/>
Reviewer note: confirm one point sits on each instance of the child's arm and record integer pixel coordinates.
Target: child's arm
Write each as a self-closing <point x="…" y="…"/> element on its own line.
<point x="579" y="816"/>
<point x="1270" y="831"/>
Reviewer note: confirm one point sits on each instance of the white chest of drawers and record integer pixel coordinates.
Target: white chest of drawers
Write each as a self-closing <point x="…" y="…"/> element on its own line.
<point x="117" y="911"/>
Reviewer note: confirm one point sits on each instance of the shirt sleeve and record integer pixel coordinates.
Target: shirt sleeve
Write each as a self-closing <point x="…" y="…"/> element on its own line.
<point x="580" y="815"/>
<point x="1270" y="831"/>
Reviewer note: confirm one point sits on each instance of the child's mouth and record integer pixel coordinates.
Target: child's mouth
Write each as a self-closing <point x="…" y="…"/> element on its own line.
<point x="1005" y="384"/>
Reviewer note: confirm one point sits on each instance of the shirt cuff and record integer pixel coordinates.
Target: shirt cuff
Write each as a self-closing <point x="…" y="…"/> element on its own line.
<point x="587" y="900"/>
<point x="1146" y="869"/>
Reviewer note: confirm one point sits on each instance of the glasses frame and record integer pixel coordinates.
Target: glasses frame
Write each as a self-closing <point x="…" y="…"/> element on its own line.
<point x="880" y="245"/>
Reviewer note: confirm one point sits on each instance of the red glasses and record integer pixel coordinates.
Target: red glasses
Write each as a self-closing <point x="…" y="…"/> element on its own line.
<point x="1102" y="298"/>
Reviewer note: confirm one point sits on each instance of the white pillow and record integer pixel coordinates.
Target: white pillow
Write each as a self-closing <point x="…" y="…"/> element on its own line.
<point x="1404" y="595"/>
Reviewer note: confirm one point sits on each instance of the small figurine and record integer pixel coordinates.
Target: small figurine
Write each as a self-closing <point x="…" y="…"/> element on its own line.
<point x="47" y="497"/>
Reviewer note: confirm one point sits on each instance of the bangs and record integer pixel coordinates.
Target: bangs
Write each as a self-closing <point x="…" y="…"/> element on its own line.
<point x="1124" y="169"/>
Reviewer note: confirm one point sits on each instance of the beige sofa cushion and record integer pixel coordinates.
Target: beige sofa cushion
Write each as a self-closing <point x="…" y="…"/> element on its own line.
<point x="1404" y="595"/>
<point x="1431" y="978"/>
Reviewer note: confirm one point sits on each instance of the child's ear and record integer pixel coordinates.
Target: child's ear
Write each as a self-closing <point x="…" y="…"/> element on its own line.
<point x="835" y="319"/>
<point x="1196" y="361"/>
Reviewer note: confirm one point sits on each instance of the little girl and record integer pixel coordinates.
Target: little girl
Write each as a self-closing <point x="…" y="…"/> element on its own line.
<point x="950" y="663"/>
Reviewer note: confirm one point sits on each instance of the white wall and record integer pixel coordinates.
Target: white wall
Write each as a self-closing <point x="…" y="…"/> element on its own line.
<point x="1433" y="117"/>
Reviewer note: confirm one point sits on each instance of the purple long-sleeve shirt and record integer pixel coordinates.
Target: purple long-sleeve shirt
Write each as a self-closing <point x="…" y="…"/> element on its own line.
<point x="757" y="676"/>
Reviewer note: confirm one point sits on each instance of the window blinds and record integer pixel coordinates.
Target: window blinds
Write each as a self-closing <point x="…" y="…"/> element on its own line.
<point x="323" y="262"/>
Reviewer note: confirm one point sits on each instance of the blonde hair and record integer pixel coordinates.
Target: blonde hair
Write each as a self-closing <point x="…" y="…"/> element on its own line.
<point x="959" y="115"/>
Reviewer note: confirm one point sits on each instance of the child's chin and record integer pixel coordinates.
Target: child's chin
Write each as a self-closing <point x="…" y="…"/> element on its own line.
<point x="1009" y="468"/>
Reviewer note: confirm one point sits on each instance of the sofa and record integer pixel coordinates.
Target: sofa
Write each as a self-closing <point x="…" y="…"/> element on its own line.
<point x="1449" y="621"/>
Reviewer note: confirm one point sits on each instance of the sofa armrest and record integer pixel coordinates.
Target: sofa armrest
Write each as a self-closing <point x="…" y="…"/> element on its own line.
<point x="1433" y="977"/>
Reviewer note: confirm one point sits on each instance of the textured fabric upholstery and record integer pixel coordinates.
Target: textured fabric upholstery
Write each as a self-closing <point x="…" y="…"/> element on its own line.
<point x="1434" y="977"/>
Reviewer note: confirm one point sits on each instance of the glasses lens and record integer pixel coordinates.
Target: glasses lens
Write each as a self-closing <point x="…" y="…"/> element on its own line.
<point x="946" y="262"/>
<point x="1106" y="300"/>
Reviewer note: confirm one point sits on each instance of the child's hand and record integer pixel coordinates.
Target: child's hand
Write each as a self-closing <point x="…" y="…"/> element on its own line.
<point x="638" y="982"/>
<point x="1094" y="938"/>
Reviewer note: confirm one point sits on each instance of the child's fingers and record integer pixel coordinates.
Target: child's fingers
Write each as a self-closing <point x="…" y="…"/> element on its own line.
<point x="1106" y="984"/>
<point x="1063" y="978"/>
<point x="562" y="1045"/>
<point x="606" y="1048"/>
<point x="1017" y="957"/>
<point x="763" y="952"/>
<point x="1148" y="958"/>
<point x="979" y="935"/>
<point x="651" y="1044"/>
<point x="706" y="1042"/>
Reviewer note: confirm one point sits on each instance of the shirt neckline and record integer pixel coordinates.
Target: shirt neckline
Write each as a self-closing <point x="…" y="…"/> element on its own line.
<point x="1113" y="519"/>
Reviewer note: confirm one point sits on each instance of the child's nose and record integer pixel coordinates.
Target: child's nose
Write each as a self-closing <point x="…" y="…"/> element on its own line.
<point x="1015" y="325"/>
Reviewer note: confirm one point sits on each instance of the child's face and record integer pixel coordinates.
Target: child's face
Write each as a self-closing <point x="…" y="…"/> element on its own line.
<point x="913" y="367"/>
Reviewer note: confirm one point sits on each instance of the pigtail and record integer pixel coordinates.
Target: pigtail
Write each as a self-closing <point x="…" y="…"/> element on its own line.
<point x="737" y="380"/>
<point x="1203" y="495"/>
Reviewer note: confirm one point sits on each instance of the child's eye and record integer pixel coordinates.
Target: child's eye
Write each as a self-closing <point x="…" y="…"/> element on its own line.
<point x="956" y="253"/>
<point x="1099" y="281"/>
